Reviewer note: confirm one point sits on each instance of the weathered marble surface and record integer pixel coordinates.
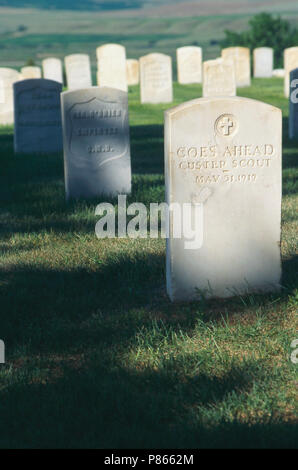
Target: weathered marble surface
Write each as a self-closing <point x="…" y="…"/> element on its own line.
<point x="156" y="80"/>
<point x="37" y="108"/>
<point x="52" y="69"/>
<point x="30" y="72"/>
<point x="7" y="78"/>
<point x="96" y="142"/>
<point x="132" y="72"/>
<point x="111" y="66"/>
<point x="223" y="156"/>
<point x="189" y="64"/>
<point x="78" y="71"/>
<point x="241" y="58"/>
<point x="263" y="62"/>
<point x="219" y="78"/>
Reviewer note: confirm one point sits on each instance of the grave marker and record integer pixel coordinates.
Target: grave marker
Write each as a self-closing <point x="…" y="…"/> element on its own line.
<point x="223" y="156"/>
<point x="7" y="78"/>
<point x="78" y="71"/>
<point x="31" y="72"/>
<point x="111" y="66"/>
<point x="132" y="72"/>
<point x="52" y="69"/>
<point x="263" y="62"/>
<point x="156" y="78"/>
<point x="189" y="64"/>
<point x="96" y="142"/>
<point x="241" y="58"/>
<point x="219" y="78"/>
<point x="37" y="116"/>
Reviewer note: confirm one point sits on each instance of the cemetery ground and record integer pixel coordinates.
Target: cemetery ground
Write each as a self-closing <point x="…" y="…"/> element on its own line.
<point x="97" y="356"/>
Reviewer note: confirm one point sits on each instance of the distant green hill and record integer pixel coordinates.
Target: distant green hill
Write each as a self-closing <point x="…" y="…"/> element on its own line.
<point x="75" y="4"/>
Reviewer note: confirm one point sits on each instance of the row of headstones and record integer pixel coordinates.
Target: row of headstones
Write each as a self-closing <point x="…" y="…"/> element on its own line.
<point x="221" y="76"/>
<point x="111" y="59"/>
<point x="37" y="113"/>
<point x="222" y="159"/>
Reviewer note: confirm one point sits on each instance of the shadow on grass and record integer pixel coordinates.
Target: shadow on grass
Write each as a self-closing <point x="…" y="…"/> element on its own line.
<point x="52" y="310"/>
<point x="113" y="408"/>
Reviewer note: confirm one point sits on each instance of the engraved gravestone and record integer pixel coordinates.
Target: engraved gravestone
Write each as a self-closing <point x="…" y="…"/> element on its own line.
<point x="241" y="58"/>
<point x="30" y="72"/>
<point x="37" y="109"/>
<point x="189" y="64"/>
<point x="132" y="72"/>
<point x="223" y="156"/>
<point x="52" y="69"/>
<point x="111" y="66"/>
<point x="7" y="78"/>
<point x="290" y="63"/>
<point x="263" y="62"/>
<point x="78" y="71"/>
<point x="293" y="115"/>
<point x="96" y="142"/>
<point x="156" y="78"/>
<point x="219" y="78"/>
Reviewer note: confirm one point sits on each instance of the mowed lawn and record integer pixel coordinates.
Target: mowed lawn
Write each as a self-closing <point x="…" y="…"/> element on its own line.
<point x="96" y="354"/>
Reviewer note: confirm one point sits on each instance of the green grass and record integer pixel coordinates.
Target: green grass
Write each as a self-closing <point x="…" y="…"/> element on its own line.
<point x="97" y="356"/>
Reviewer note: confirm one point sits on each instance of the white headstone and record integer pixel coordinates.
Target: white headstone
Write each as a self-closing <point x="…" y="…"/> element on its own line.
<point x="219" y="78"/>
<point x="7" y="78"/>
<point x="278" y="73"/>
<point x="189" y="64"/>
<point x="52" y="69"/>
<point x="290" y="63"/>
<point x="156" y="78"/>
<point x="263" y="62"/>
<point x="223" y="158"/>
<point x="78" y="71"/>
<point x="96" y="142"/>
<point x="31" y="72"/>
<point x="241" y="58"/>
<point x="111" y="66"/>
<point x="38" y="127"/>
<point x="132" y="72"/>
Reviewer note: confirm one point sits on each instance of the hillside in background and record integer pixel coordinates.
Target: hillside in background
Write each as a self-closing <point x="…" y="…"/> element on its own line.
<point x="156" y="7"/>
<point x="156" y="25"/>
<point x="76" y="4"/>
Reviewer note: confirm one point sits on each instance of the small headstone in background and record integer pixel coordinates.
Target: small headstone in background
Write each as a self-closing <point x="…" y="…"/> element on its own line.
<point x="53" y="69"/>
<point x="293" y="114"/>
<point x="156" y="78"/>
<point x="132" y="72"/>
<point x="219" y="78"/>
<point x="189" y="64"/>
<point x="223" y="158"/>
<point x="263" y="62"/>
<point x="7" y="78"/>
<point x="290" y="63"/>
<point x="279" y="73"/>
<point x="78" y="71"/>
<point x="241" y="58"/>
<point x="30" y="72"/>
<point x="111" y="66"/>
<point x="38" y="127"/>
<point x="96" y="142"/>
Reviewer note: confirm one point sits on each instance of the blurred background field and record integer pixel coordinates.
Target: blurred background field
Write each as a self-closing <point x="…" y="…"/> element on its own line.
<point x="161" y="26"/>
